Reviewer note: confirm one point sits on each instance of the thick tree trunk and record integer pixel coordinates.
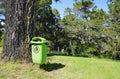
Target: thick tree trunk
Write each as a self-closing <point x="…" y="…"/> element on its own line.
<point x="18" y="29"/>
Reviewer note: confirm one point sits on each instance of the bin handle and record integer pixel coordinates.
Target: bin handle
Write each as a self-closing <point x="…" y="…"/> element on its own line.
<point x="35" y="42"/>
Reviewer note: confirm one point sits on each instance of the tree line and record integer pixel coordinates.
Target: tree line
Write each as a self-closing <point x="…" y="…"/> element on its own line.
<point x="88" y="31"/>
<point x="92" y="31"/>
<point x="85" y="30"/>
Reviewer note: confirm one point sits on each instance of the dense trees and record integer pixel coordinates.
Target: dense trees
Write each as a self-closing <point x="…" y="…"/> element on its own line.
<point x="92" y="31"/>
<point x="114" y="23"/>
<point x="84" y="30"/>
<point x="47" y="25"/>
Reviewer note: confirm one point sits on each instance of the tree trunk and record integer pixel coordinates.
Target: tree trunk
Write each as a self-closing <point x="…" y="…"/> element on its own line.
<point x="18" y="29"/>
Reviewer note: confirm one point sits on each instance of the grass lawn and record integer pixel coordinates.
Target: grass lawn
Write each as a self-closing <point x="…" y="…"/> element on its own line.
<point x="0" y="49"/>
<point x="63" y="67"/>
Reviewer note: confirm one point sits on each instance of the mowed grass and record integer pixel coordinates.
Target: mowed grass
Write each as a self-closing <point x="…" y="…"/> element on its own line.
<point x="1" y="49"/>
<point x="63" y="67"/>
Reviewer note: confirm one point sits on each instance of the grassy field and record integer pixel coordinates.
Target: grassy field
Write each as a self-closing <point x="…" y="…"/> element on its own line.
<point x="63" y="67"/>
<point x="0" y="49"/>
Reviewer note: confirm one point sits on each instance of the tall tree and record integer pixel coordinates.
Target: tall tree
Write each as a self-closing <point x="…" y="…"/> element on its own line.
<point x="114" y="22"/>
<point x="82" y="9"/>
<point x="68" y="11"/>
<point x="18" y="29"/>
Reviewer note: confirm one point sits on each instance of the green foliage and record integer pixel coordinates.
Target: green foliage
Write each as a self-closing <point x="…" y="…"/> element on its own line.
<point x="68" y="11"/>
<point x="91" y="31"/>
<point x="43" y="3"/>
<point x="47" y="25"/>
<point x="55" y="12"/>
<point x="85" y="30"/>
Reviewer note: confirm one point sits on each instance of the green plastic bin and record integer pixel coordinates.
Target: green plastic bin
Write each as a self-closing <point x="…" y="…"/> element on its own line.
<point x="39" y="50"/>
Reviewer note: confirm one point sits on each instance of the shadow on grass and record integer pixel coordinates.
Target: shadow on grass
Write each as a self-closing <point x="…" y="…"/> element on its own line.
<point x="51" y="66"/>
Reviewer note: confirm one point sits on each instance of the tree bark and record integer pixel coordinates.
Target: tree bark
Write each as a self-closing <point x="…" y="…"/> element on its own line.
<point x="18" y="29"/>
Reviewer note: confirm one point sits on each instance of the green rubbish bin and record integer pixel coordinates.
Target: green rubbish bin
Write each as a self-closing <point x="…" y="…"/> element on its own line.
<point x="39" y="50"/>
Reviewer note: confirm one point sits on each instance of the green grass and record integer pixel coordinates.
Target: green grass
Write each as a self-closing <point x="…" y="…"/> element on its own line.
<point x="0" y="49"/>
<point x="63" y="67"/>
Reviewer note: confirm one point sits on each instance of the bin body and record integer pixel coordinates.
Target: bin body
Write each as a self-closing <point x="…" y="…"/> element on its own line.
<point x="39" y="50"/>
